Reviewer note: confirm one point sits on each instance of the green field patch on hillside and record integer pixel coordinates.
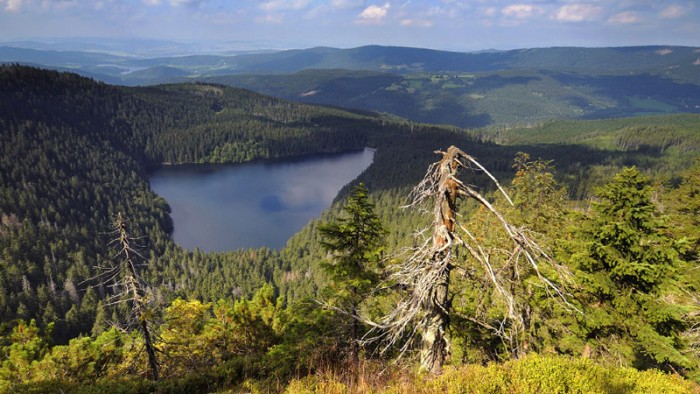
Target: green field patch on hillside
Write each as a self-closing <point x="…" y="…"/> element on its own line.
<point x="651" y="104"/>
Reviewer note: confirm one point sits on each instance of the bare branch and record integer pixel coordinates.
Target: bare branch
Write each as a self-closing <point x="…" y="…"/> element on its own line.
<point x="128" y="286"/>
<point x="425" y="272"/>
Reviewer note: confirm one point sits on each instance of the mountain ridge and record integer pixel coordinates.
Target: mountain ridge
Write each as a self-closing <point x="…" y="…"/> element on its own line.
<point x="464" y="89"/>
<point x="378" y="58"/>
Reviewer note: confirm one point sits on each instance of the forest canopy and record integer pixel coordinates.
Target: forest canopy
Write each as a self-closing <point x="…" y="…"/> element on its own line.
<point x="613" y="202"/>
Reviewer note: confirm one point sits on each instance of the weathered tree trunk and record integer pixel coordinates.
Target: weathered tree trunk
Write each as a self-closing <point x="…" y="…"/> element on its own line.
<point x="436" y="348"/>
<point x="134" y="288"/>
<point x="425" y="309"/>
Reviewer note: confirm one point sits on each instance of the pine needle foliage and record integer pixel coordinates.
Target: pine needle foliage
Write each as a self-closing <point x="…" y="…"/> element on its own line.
<point x="630" y="281"/>
<point x="354" y="243"/>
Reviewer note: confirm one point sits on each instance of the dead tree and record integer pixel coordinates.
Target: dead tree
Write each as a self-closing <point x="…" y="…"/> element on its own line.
<point x="425" y="309"/>
<point x="130" y="288"/>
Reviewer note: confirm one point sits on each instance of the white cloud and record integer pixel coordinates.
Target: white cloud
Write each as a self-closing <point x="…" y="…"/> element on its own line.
<point x="520" y="11"/>
<point x="624" y="18"/>
<point x="578" y="13"/>
<point x="12" y="5"/>
<point x="416" y="22"/>
<point x="673" y="11"/>
<point x="374" y="14"/>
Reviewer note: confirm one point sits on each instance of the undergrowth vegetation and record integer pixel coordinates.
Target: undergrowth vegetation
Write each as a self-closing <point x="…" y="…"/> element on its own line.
<point x="531" y="374"/>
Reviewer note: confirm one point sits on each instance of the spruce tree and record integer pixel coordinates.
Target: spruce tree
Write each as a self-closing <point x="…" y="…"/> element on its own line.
<point x="354" y="242"/>
<point x="629" y="278"/>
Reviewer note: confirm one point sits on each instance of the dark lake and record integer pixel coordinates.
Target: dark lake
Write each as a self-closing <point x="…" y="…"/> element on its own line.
<point x="219" y="207"/>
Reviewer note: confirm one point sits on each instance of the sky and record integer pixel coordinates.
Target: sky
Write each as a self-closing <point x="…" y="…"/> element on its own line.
<point x="439" y="24"/>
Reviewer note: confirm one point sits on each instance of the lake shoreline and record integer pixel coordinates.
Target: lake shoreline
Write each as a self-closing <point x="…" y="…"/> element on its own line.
<point x="219" y="207"/>
<point x="156" y="166"/>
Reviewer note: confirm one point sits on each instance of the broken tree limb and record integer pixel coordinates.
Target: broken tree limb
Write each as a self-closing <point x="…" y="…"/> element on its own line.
<point x="425" y="309"/>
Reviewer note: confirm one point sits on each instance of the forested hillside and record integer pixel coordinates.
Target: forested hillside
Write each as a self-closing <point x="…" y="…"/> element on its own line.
<point x="438" y="87"/>
<point x="76" y="152"/>
<point x="477" y="99"/>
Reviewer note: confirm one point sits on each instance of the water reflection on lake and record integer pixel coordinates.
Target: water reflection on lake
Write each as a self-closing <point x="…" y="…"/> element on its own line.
<point x="226" y="207"/>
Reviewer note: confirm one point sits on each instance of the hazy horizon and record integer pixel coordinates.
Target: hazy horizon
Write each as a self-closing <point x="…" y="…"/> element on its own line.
<point x="211" y="26"/>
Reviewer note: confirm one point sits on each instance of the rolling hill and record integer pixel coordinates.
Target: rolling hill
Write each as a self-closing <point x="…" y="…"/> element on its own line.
<point x="671" y="61"/>
<point x="481" y="99"/>
<point x="438" y="87"/>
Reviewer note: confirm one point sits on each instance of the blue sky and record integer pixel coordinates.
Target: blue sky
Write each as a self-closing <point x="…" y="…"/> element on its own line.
<point x="440" y="24"/>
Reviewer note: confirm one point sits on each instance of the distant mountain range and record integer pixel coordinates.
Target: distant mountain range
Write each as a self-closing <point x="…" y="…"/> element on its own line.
<point x="464" y="89"/>
<point x="672" y="61"/>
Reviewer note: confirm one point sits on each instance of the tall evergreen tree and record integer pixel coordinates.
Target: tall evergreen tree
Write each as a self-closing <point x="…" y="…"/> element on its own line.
<point x="629" y="279"/>
<point x="355" y="243"/>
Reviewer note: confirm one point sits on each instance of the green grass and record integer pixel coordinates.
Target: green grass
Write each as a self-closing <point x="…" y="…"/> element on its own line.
<point x="532" y="374"/>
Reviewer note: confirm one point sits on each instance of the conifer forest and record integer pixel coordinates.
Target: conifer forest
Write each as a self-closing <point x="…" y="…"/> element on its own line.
<point x="554" y="256"/>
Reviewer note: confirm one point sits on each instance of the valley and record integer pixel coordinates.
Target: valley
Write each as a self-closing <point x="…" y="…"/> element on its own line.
<point x="77" y="152"/>
<point x="471" y="90"/>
